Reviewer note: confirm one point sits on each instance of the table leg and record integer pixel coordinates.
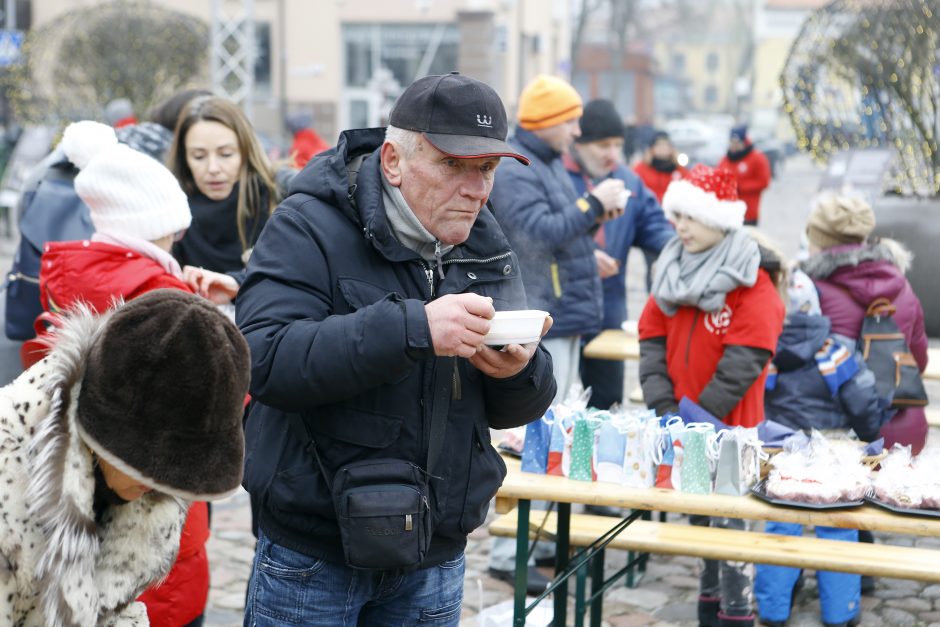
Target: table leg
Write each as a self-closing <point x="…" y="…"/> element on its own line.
<point x="561" y="562"/>
<point x="597" y="582"/>
<point x="580" y="588"/>
<point x="522" y="564"/>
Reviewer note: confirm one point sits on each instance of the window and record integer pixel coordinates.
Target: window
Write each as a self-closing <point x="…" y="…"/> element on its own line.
<point x="711" y="61"/>
<point x="711" y="95"/>
<point x="262" y="68"/>
<point x="409" y="51"/>
<point x="678" y="62"/>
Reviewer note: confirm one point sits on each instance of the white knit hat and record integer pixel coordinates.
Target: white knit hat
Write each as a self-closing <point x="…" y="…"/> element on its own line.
<point x="127" y="192"/>
<point x="709" y="196"/>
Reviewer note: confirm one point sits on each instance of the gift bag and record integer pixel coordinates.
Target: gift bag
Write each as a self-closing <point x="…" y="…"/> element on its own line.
<point x="694" y="469"/>
<point x="609" y="445"/>
<point x="581" y="452"/>
<point x="666" y="457"/>
<point x="642" y="451"/>
<point x="738" y="465"/>
<point x="538" y="436"/>
<point x="558" y="442"/>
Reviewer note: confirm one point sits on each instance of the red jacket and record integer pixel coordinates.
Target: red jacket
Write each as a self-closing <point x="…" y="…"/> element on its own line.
<point x="95" y="272"/>
<point x="657" y="181"/>
<point x="753" y="174"/>
<point x="695" y="342"/>
<point x="307" y="144"/>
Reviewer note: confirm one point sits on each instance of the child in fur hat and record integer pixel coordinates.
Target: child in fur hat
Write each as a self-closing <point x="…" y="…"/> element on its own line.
<point x="103" y="444"/>
<point x="707" y="334"/>
<point x="137" y="208"/>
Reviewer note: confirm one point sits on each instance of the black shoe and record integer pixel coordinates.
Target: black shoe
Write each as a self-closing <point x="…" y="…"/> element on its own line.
<point x="725" y="620"/>
<point x="536" y="584"/>
<point x="708" y="611"/>
<point x="868" y="585"/>
<point x="603" y="510"/>
<point x="545" y="562"/>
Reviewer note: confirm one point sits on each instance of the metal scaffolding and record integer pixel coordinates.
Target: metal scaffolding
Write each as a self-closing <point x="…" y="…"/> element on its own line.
<point x="232" y="55"/>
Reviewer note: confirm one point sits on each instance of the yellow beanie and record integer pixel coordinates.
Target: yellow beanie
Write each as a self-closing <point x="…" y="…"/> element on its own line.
<point x="548" y="101"/>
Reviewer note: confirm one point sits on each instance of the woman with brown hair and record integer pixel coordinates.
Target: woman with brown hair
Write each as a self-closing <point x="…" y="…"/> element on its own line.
<point x="229" y="181"/>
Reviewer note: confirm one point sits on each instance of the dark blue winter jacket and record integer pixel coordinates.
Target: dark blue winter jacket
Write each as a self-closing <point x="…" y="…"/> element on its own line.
<point x="802" y="400"/>
<point x="333" y="310"/>
<point x="643" y="225"/>
<point x="551" y="229"/>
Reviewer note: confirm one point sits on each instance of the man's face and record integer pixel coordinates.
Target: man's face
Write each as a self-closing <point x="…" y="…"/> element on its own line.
<point x="600" y="157"/>
<point x="662" y="149"/>
<point x="561" y="136"/>
<point x="445" y="193"/>
<point x="736" y="145"/>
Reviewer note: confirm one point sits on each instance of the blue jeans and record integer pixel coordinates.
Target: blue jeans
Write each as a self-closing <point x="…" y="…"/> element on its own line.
<point x="290" y="588"/>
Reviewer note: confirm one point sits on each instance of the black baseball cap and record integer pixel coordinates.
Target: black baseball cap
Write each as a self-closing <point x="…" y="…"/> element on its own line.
<point x="460" y="116"/>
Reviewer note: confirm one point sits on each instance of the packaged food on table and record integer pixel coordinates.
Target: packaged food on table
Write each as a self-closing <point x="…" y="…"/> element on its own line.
<point x="817" y="471"/>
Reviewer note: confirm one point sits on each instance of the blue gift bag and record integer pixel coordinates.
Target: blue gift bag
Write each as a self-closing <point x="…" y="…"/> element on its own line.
<point x="538" y="436"/>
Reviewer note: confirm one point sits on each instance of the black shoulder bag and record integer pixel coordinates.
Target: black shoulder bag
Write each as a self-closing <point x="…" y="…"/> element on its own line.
<point x="383" y="506"/>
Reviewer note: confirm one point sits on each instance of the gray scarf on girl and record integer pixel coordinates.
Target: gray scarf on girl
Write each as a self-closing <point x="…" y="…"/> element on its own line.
<point x="703" y="279"/>
<point x="407" y="228"/>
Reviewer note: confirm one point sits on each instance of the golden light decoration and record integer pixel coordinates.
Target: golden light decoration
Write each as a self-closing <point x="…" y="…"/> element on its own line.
<point x="74" y="65"/>
<point x="866" y="73"/>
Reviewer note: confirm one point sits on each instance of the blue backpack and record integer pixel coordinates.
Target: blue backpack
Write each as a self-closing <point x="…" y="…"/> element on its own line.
<point x="52" y="212"/>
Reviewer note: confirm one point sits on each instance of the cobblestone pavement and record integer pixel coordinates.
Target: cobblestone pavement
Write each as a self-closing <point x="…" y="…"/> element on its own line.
<point x="666" y="595"/>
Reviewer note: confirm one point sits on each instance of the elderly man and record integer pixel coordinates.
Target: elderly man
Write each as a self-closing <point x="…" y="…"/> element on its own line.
<point x="365" y="306"/>
<point x="596" y="157"/>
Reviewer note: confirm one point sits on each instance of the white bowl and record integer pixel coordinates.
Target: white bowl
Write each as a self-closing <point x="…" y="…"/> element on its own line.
<point x="515" y="327"/>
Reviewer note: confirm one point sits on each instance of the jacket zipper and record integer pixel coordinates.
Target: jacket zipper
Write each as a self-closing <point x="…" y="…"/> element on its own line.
<point x="556" y="279"/>
<point x="487" y="260"/>
<point x="429" y="273"/>
<point x="688" y="346"/>
<point x="456" y="392"/>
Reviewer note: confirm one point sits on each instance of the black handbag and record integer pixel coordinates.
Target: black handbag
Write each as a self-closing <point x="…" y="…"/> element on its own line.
<point x="383" y="506"/>
<point x="888" y="356"/>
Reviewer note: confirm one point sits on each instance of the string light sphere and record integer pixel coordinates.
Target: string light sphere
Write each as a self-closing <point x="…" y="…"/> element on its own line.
<point x="865" y="74"/>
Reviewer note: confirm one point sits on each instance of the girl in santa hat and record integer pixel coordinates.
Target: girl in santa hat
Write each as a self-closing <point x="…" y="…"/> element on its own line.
<point x="707" y="334"/>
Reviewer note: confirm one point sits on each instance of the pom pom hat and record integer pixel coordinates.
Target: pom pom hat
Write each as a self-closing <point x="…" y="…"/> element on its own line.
<point x="709" y="196"/>
<point x="548" y="101"/>
<point x="127" y="192"/>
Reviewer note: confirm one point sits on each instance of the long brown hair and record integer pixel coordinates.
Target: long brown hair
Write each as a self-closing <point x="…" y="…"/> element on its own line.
<point x="256" y="174"/>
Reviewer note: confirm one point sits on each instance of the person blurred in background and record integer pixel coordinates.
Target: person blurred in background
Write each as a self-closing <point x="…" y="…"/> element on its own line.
<point x="228" y="180"/>
<point x="595" y="156"/>
<point x="751" y="169"/>
<point x="307" y="142"/>
<point x="120" y="112"/>
<point x="660" y="166"/>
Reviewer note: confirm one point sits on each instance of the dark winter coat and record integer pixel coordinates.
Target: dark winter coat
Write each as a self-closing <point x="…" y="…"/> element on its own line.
<point x="643" y="225"/>
<point x="848" y="278"/>
<point x="801" y="398"/>
<point x="551" y="231"/>
<point x="333" y="311"/>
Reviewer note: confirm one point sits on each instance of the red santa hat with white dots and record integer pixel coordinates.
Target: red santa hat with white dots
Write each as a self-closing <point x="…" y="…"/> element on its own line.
<point x="708" y="195"/>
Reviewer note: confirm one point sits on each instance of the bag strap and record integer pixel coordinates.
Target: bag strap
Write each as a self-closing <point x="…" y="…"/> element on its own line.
<point x="439" y="412"/>
<point x="881" y="307"/>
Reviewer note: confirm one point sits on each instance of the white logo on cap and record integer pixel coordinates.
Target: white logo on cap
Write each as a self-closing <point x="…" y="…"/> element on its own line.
<point x="484" y="120"/>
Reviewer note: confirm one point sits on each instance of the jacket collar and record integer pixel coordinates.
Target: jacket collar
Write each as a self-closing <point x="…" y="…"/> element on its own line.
<point x="531" y="142"/>
<point x="824" y="263"/>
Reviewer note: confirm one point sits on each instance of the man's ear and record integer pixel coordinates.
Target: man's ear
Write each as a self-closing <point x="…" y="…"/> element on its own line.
<point x="391" y="163"/>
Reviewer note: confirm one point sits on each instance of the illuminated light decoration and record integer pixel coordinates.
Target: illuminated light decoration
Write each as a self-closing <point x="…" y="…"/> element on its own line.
<point x="866" y="73"/>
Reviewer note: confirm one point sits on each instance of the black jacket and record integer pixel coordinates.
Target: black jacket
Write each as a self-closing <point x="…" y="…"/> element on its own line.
<point x="333" y="311"/>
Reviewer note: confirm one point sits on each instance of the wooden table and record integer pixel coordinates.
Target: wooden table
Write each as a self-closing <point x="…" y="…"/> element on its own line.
<point x="615" y="345"/>
<point x="519" y="489"/>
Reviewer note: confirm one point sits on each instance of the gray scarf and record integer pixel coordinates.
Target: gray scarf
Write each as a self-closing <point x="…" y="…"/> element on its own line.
<point x="703" y="279"/>
<point x="406" y="227"/>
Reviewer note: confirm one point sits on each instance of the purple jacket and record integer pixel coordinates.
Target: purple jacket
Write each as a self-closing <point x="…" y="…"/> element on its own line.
<point x="848" y="279"/>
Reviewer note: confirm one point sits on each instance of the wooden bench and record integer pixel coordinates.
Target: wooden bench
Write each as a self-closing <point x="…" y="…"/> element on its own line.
<point x="881" y="560"/>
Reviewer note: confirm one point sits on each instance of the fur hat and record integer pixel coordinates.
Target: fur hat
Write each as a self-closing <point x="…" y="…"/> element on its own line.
<point x="600" y="121"/>
<point x="163" y="393"/>
<point x="127" y="192"/>
<point x="710" y="196"/>
<point x="548" y="101"/>
<point x="838" y="219"/>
